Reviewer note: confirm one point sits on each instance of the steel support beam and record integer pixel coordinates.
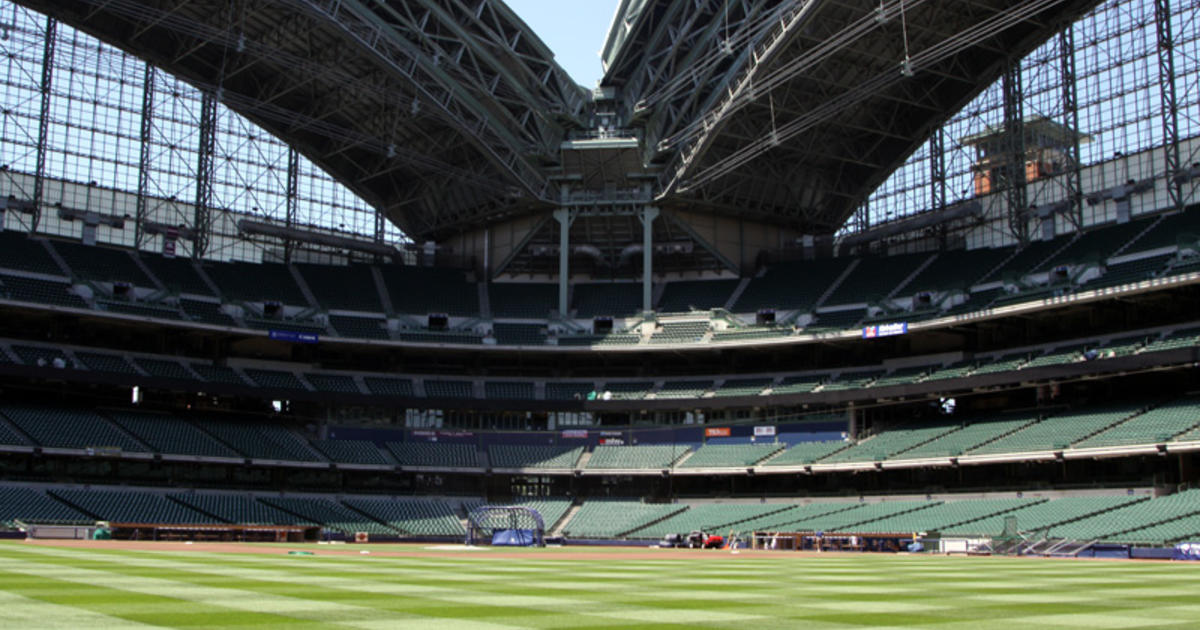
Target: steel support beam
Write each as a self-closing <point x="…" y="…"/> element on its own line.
<point x="1170" y="116"/>
<point x="39" y="171"/>
<point x="201" y="219"/>
<point x="293" y="175"/>
<point x="1070" y="105"/>
<point x="147" y="128"/>
<point x="1015" y="192"/>
<point x="937" y="170"/>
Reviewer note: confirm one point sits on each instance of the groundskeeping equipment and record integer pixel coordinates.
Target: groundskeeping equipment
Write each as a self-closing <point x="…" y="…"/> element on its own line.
<point x="506" y="525"/>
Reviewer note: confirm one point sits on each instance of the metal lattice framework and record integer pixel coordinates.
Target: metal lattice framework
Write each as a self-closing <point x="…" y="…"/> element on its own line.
<point x="448" y="114"/>
<point x="484" y="521"/>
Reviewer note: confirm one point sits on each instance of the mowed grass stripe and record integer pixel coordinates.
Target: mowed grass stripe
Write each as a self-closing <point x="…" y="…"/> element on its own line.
<point x="395" y="590"/>
<point x="711" y="591"/>
<point x="29" y="610"/>
<point x="286" y="603"/>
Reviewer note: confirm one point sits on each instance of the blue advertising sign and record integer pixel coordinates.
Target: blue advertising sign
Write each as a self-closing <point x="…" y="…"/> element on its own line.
<point x="292" y="336"/>
<point x="885" y="330"/>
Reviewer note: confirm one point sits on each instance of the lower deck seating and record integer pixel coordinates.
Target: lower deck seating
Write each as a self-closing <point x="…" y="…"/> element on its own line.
<point x="35" y="506"/>
<point x="414" y="517"/>
<point x="170" y="435"/>
<point x="131" y="506"/>
<point x="330" y="514"/>
<point x="614" y="519"/>
<point x="68" y="427"/>
<point x="242" y="509"/>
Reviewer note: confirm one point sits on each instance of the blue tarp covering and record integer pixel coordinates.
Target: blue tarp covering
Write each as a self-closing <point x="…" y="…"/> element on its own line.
<point x="1186" y="551"/>
<point x="512" y="538"/>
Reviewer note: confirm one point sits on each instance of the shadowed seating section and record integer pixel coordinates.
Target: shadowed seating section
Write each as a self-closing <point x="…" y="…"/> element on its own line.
<point x="902" y="376"/>
<point x="329" y="514"/>
<point x="1130" y="271"/>
<point x="1058" y="432"/>
<point x="874" y="277"/>
<point x="54" y="292"/>
<point x="509" y="390"/>
<point x="102" y="362"/>
<point x="730" y="455"/>
<point x="830" y="321"/>
<point x="569" y="391"/>
<point x="337" y="383"/>
<point x="18" y="251"/>
<point x="522" y="300"/>
<point x="613" y="339"/>
<point x="695" y="295"/>
<point x="533" y="456"/>
<point x="359" y="327"/>
<point x="10" y="435"/>
<point x="349" y="287"/>
<point x="35" y="506"/>
<point x="614" y="518"/>
<point x="274" y="379"/>
<point x="350" y="451"/>
<point x="242" y="509"/>
<point x="683" y="389"/>
<point x="444" y="336"/>
<point x="101" y="264"/>
<point x="956" y="269"/>
<point x="131" y="506"/>
<point x="853" y="380"/>
<point x="260" y="441"/>
<point x="520" y="334"/>
<point x="799" y="384"/>
<point x="1185" y="338"/>
<point x="170" y="435"/>
<point x="413" y="517"/>
<point x="615" y="299"/>
<point x="1058" y="356"/>
<point x="40" y="355"/>
<point x="847" y="519"/>
<point x="632" y="457"/>
<point x="206" y="313"/>
<point x="448" y="389"/>
<point x="742" y="387"/>
<point x="389" y="386"/>
<point x="1004" y="363"/>
<point x="434" y="454"/>
<point x="1096" y="244"/>
<point x="791" y="285"/>
<point x="801" y="453"/>
<point x="178" y="275"/>
<point x="249" y="282"/>
<point x="67" y="427"/>
<point x="748" y="334"/>
<point x="217" y="373"/>
<point x="424" y="290"/>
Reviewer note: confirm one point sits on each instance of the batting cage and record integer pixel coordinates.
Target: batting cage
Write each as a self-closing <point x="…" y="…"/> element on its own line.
<point x="506" y="525"/>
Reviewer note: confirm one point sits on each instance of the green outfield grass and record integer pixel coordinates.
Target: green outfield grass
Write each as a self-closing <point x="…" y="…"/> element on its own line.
<point x="98" y="587"/>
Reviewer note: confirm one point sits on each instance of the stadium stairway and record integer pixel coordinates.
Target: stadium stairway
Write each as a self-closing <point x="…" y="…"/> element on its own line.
<point x="557" y="528"/>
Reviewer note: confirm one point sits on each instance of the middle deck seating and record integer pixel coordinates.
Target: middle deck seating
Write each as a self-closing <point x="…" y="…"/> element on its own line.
<point x="69" y="427"/>
<point x="890" y="442"/>
<point x="742" y="387"/>
<point x="635" y="457"/>
<point x="1157" y="425"/>
<point x="1058" y="432"/>
<point x="509" y="390"/>
<point x="434" y="454"/>
<point x="533" y="456"/>
<point x="730" y="455"/>
<point x="801" y="453"/>
<point x="274" y="379"/>
<point x="360" y="327"/>
<point x="350" y="451"/>
<point x="170" y="435"/>
<point x="345" y="287"/>
<point x="683" y="389"/>
<point x="971" y="436"/>
<point x="260" y="440"/>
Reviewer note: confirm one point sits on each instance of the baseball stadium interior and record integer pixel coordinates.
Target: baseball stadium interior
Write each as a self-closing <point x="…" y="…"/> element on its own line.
<point x="847" y="270"/>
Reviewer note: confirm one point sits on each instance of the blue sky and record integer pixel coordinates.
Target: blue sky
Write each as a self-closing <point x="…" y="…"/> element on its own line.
<point x="573" y="29"/>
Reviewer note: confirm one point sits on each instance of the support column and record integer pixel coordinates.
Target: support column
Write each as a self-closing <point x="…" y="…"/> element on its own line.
<point x="1070" y="103"/>
<point x="201" y="221"/>
<point x="293" y="176"/>
<point x="1014" y="159"/>
<point x="39" y="170"/>
<point x="648" y="215"/>
<point x="1170" y="116"/>
<point x="147" y="129"/>
<point x="564" y="218"/>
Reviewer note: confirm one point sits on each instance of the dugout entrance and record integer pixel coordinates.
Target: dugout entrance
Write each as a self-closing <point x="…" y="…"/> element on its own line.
<point x="505" y="525"/>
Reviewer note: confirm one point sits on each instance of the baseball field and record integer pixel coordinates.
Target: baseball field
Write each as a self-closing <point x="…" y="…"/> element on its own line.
<point x="120" y="585"/>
